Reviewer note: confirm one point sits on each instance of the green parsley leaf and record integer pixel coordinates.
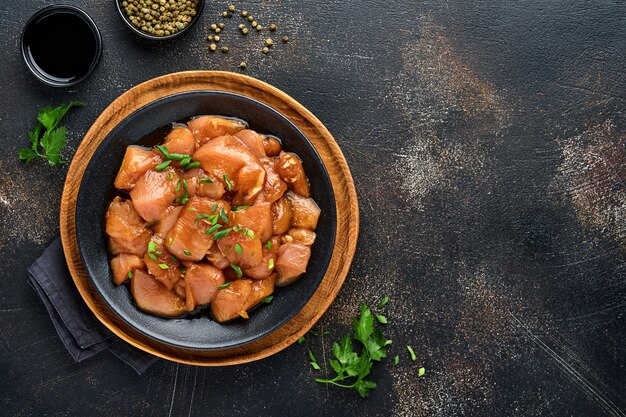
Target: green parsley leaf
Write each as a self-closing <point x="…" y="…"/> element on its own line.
<point x="381" y="319"/>
<point x="301" y="340"/>
<point x="52" y="140"/>
<point x="384" y="301"/>
<point x="396" y="360"/>
<point x="313" y="362"/>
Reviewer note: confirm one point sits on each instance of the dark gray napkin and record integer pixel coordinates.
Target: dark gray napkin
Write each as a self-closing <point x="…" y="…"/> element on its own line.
<point x="81" y="333"/>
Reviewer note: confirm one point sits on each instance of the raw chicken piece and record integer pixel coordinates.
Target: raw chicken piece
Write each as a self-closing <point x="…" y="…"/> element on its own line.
<point x="260" y="290"/>
<point x="265" y="268"/>
<point x="126" y="230"/>
<point x="227" y="158"/>
<point x="291" y="263"/>
<point x="203" y="281"/>
<point x="135" y="163"/>
<point x="154" y="193"/>
<point x="168" y="221"/>
<point x="202" y="184"/>
<point x="124" y="263"/>
<point x="257" y="218"/>
<point x="188" y="240"/>
<point x="250" y="253"/>
<point x="305" y="211"/>
<point x="216" y="258"/>
<point x="274" y="186"/>
<point x="252" y="140"/>
<point x="302" y="236"/>
<point x="231" y="302"/>
<point x="290" y="169"/>
<point x="180" y="140"/>
<point x="272" y="146"/>
<point x="205" y="128"/>
<point x="153" y="297"/>
<point x="281" y="216"/>
<point x="161" y="264"/>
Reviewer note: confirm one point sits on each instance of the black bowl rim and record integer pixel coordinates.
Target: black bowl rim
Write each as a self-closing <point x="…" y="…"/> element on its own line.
<point x="277" y="324"/>
<point x="96" y="59"/>
<point x="158" y="38"/>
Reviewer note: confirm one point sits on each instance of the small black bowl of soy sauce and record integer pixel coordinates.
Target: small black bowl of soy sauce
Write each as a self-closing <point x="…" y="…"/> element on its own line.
<point x="61" y="45"/>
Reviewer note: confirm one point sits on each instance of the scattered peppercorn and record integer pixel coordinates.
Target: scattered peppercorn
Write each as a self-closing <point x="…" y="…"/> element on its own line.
<point x="218" y="30"/>
<point x="221" y="26"/>
<point x="272" y="27"/>
<point x="250" y="18"/>
<point x="217" y="38"/>
<point x="265" y="49"/>
<point x="244" y="31"/>
<point x="242" y="64"/>
<point x="213" y="26"/>
<point x="269" y="42"/>
<point x="241" y="26"/>
<point x="224" y="14"/>
<point x="285" y="39"/>
<point x="244" y="13"/>
<point x="231" y="8"/>
<point x="254" y="24"/>
<point x="259" y="27"/>
<point x="213" y="47"/>
<point x="224" y="49"/>
<point x="209" y="38"/>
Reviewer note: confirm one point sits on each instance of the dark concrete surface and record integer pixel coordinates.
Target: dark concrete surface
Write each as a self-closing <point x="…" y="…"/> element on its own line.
<point x="486" y="141"/>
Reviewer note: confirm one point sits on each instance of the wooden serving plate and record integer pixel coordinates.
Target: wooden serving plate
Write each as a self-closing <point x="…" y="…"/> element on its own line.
<point x="320" y="137"/>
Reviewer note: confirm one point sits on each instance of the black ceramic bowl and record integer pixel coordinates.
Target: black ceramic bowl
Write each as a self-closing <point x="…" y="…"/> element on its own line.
<point x="199" y="331"/>
<point x="146" y="35"/>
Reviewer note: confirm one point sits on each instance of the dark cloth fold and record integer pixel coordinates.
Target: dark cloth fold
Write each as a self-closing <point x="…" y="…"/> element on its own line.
<point x="80" y="331"/>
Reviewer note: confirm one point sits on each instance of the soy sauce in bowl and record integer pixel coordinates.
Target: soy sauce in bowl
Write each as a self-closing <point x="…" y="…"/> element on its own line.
<point x="61" y="45"/>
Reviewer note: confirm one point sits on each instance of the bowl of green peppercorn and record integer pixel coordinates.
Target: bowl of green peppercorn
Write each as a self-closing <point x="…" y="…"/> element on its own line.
<point x="159" y="19"/>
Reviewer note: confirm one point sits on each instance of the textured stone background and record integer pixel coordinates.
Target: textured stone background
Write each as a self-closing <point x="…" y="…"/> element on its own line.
<point x="487" y="146"/>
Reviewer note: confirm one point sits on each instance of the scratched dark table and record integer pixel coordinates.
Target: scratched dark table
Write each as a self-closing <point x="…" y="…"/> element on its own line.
<point x="487" y="147"/>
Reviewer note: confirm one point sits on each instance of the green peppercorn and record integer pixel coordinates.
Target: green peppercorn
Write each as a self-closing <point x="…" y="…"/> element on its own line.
<point x="265" y="49"/>
<point x="213" y="47"/>
<point x="272" y="27"/>
<point x="285" y="39"/>
<point x="224" y="49"/>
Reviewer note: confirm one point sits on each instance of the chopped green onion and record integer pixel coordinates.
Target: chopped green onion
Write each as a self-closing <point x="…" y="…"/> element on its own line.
<point x="270" y="263"/>
<point x="222" y="233"/>
<point x="206" y="180"/>
<point x="162" y="165"/>
<point x="186" y="252"/>
<point x="396" y="360"/>
<point x="229" y="184"/>
<point x="153" y="256"/>
<point x="164" y="266"/>
<point x="169" y="241"/>
<point x="238" y="248"/>
<point x="269" y="245"/>
<point x="301" y="340"/>
<point x="213" y="229"/>
<point x="177" y="189"/>
<point x="268" y="299"/>
<point x="421" y="372"/>
<point x="170" y="176"/>
<point x="183" y="270"/>
<point x="130" y="274"/>
<point x="174" y="259"/>
<point x="163" y="150"/>
<point x="192" y="209"/>
<point x="202" y="216"/>
<point x="223" y="216"/>
<point x="152" y="246"/>
<point x="194" y="164"/>
<point x="185" y="161"/>
<point x="177" y="156"/>
<point x="313" y="362"/>
<point x="239" y="208"/>
<point x="225" y="285"/>
<point x="147" y="225"/>
<point x="410" y="349"/>
<point x="236" y="269"/>
<point x="214" y="207"/>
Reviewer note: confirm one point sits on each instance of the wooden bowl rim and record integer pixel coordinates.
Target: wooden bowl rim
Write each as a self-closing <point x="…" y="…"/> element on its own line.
<point x="341" y="180"/>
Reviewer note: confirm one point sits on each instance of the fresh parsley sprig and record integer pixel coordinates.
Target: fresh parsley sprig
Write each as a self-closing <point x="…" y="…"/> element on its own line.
<point x="351" y="368"/>
<point x="46" y="138"/>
